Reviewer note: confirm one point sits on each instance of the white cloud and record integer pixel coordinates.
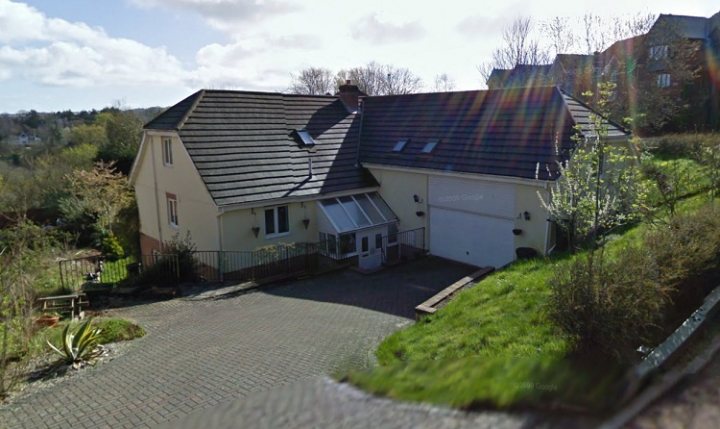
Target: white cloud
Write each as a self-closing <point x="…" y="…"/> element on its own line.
<point x="226" y="14"/>
<point x="371" y="28"/>
<point x="53" y="51"/>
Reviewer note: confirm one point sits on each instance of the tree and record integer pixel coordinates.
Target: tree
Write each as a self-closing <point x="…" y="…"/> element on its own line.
<point x="123" y="130"/>
<point x="313" y="81"/>
<point x="93" y="134"/>
<point x="381" y="79"/>
<point x="599" y="187"/>
<point x="99" y="194"/>
<point x="560" y="35"/>
<point x="520" y="46"/>
<point x="443" y="83"/>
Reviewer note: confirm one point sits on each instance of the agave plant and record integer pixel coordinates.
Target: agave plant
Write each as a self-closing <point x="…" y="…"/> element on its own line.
<point x="79" y="345"/>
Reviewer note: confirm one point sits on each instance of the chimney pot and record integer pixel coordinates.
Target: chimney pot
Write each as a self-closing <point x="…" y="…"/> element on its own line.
<point x="350" y="94"/>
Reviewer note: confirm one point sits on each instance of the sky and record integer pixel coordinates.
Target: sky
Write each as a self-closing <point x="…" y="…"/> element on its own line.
<point x="83" y="54"/>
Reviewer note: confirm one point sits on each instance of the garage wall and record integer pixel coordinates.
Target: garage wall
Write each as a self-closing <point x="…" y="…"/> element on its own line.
<point x="397" y="189"/>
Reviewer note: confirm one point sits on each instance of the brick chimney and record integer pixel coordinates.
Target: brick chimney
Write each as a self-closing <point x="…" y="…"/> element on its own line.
<point x="349" y="94"/>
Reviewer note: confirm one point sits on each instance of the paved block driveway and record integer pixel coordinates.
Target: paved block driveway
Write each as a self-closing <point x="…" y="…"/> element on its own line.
<point x="199" y="354"/>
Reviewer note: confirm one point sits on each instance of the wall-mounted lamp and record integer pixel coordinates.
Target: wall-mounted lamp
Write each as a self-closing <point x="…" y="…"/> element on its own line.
<point x="306" y="222"/>
<point x="420" y="213"/>
<point x="526" y="215"/>
<point x="256" y="230"/>
<point x="417" y="198"/>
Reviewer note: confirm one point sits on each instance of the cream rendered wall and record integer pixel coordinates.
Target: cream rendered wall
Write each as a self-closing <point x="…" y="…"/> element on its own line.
<point x="197" y="212"/>
<point x="237" y="227"/>
<point x="397" y="188"/>
<point x="533" y="231"/>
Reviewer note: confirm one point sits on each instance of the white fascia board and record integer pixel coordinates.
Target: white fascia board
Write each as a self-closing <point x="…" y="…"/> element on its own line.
<point x="287" y="200"/>
<point x="474" y="176"/>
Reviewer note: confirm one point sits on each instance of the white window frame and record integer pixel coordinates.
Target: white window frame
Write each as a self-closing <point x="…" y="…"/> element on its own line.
<point x="276" y="222"/>
<point x="659" y="52"/>
<point x="172" y="210"/>
<point x="664" y="80"/>
<point x="167" y="151"/>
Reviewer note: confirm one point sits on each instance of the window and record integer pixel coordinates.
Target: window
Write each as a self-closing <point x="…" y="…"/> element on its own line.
<point x="167" y="151"/>
<point x="663" y="80"/>
<point x="659" y="52"/>
<point x="172" y="209"/>
<point x="277" y="221"/>
<point x="429" y="146"/>
<point x="392" y="233"/>
<point x="306" y="138"/>
<point x="365" y="245"/>
<point x="400" y="145"/>
<point x="347" y="244"/>
<point x="378" y="241"/>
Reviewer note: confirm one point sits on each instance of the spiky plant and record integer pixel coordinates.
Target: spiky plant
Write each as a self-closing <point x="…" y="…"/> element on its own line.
<point x="79" y="345"/>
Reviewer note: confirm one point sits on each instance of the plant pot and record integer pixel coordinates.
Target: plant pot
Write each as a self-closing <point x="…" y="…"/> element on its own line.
<point x="48" y="321"/>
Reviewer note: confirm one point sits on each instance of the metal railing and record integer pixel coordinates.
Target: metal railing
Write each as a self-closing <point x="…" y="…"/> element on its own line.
<point x="403" y="246"/>
<point x="274" y="262"/>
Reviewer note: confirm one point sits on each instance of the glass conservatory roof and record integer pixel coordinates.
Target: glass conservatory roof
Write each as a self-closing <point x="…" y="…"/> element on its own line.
<point x="359" y="211"/>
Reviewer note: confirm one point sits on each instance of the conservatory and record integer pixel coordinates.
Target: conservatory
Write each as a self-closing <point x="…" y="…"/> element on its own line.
<point x="361" y="225"/>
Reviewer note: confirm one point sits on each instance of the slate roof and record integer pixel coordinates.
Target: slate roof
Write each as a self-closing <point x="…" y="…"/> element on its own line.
<point x="508" y="132"/>
<point x="244" y="147"/>
<point x="691" y="27"/>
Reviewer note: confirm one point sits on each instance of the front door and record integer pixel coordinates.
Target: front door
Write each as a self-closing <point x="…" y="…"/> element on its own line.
<point x="370" y="245"/>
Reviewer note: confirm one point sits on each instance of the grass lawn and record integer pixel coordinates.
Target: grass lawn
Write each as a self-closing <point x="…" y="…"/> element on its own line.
<point x="494" y="345"/>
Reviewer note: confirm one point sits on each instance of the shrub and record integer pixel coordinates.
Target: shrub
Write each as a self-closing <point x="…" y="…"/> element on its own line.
<point x="111" y="247"/>
<point x="608" y="305"/>
<point x="79" y="345"/>
<point x="688" y="245"/>
<point x="177" y="264"/>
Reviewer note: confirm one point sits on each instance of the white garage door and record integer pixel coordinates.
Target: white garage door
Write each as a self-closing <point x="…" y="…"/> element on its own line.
<point x="472" y="221"/>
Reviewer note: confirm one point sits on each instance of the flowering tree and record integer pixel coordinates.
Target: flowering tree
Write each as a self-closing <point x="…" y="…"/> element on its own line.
<point x="600" y="186"/>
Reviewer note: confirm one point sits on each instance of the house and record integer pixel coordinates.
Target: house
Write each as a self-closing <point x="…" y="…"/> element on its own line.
<point x="672" y="72"/>
<point x="459" y="171"/>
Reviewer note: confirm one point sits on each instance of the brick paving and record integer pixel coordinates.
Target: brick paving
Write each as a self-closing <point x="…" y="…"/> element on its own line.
<point x="207" y="353"/>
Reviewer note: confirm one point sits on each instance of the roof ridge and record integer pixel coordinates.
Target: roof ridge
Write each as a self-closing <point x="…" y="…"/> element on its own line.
<point x="200" y="95"/>
<point x="564" y="96"/>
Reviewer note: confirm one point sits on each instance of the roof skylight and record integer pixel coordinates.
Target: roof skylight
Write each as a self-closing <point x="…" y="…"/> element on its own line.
<point x="305" y="137"/>
<point x="400" y="145"/>
<point x="429" y="146"/>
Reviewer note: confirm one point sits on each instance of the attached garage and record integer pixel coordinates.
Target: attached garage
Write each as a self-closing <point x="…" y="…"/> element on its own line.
<point x="471" y="221"/>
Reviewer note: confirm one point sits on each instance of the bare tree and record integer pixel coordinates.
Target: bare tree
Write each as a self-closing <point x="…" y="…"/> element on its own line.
<point x="520" y="46"/>
<point x="381" y="79"/>
<point x="443" y="83"/>
<point x="599" y="33"/>
<point x="313" y="81"/>
<point x="559" y="34"/>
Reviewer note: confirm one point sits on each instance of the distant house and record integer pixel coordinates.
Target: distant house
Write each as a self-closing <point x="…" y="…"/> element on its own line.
<point x="26" y="139"/>
<point x="661" y="60"/>
<point x="460" y="171"/>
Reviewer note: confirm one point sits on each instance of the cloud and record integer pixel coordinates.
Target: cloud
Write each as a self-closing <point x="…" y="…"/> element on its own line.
<point x="226" y="14"/>
<point x="57" y="52"/>
<point x="372" y="29"/>
<point x="478" y="25"/>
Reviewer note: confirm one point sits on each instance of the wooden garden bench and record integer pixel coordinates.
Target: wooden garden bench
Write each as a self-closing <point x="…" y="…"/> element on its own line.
<point x="70" y="304"/>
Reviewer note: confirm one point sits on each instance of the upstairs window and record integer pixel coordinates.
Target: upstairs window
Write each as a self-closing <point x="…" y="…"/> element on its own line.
<point x="277" y="221"/>
<point x="663" y="80"/>
<point x="400" y="145"/>
<point x="172" y="209"/>
<point x="167" y="151"/>
<point x="659" y="52"/>
<point x="305" y="138"/>
<point x="429" y="146"/>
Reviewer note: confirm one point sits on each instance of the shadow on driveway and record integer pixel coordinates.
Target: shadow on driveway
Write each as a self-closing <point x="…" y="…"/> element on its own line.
<point x="394" y="290"/>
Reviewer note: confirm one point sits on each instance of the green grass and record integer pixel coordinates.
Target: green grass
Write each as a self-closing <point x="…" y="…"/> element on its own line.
<point x="494" y="345"/>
